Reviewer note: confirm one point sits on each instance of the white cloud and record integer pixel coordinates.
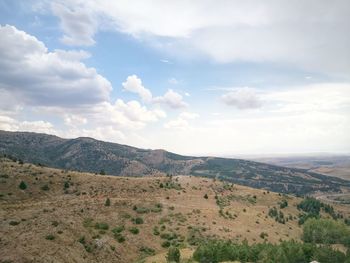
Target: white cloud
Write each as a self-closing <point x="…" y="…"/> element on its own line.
<point x="134" y="85"/>
<point x="177" y="124"/>
<point x="188" y="115"/>
<point x="10" y="124"/>
<point x="124" y="115"/>
<point x="311" y="35"/>
<point x="165" y="61"/>
<point x="242" y="98"/>
<point x="182" y="121"/>
<point x="105" y="133"/>
<point x="57" y="85"/>
<point x="135" y="112"/>
<point x="74" y="120"/>
<point x="171" y="99"/>
<point x="173" y="81"/>
<point x="37" y="126"/>
<point x="314" y="97"/>
<point x="78" y="26"/>
<point x="33" y="75"/>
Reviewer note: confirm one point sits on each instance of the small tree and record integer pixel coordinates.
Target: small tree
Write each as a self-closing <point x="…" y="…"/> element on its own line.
<point x="173" y="255"/>
<point x="102" y="172"/>
<point x="66" y="185"/>
<point x="108" y="202"/>
<point x="206" y="196"/>
<point x="22" y="185"/>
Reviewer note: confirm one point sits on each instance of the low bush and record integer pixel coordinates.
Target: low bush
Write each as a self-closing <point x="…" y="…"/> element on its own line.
<point x="14" y="223"/>
<point x="22" y="185"/>
<point x="173" y="255"/>
<point x="118" y="229"/>
<point x="134" y="230"/>
<point x="137" y="220"/>
<point x="101" y="226"/>
<point x="50" y="237"/>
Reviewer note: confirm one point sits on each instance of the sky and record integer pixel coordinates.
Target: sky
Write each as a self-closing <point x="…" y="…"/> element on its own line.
<point x="195" y="77"/>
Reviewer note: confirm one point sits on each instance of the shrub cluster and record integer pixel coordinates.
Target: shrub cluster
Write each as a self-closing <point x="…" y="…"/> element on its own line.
<point x="286" y="252"/>
<point x="326" y="231"/>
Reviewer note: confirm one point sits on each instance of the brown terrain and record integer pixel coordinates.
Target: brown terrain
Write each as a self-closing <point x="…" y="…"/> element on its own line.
<point x="62" y="216"/>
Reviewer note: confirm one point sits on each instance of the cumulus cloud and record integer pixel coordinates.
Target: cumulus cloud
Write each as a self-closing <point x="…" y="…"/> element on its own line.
<point x="125" y="115"/>
<point x="134" y="85"/>
<point x="242" y="98"/>
<point x="171" y="98"/>
<point x="78" y="26"/>
<point x="136" y="112"/>
<point x="10" y="124"/>
<point x="59" y="85"/>
<point x="182" y="121"/>
<point x="289" y="32"/>
<point x="74" y="120"/>
<point x="36" y="76"/>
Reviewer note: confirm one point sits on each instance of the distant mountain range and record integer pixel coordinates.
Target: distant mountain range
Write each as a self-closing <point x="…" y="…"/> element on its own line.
<point x="90" y="155"/>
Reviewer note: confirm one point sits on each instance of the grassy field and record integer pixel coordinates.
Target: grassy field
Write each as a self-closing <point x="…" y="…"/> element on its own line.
<point x="63" y="216"/>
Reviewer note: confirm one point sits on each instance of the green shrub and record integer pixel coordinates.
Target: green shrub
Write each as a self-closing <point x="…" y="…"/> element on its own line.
<point x="45" y="187"/>
<point x="166" y="244"/>
<point x="137" y="220"/>
<point x="283" y="204"/>
<point x="66" y="185"/>
<point x="326" y="231"/>
<point x="119" y="237"/>
<point x="50" y="237"/>
<point x="88" y="222"/>
<point x="214" y="251"/>
<point x="148" y="251"/>
<point x="206" y="196"/>
<point x="134" y="230"/>
<point x="22" y="185"/>
<point x="118" y="229"/>
<point x="310" y="205"/>
<point x="156" y="231"/>
<point x="108" y="202"/>
<point x="263" y="235"/>
<point x="173" y="255"/>
<point x="142" y="210"/>
<point x="101" y="226"/>
<point x="14" y="223"/>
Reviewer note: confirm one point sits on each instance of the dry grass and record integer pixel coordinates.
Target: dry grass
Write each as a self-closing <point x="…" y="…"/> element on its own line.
<point x="70" y="214"/>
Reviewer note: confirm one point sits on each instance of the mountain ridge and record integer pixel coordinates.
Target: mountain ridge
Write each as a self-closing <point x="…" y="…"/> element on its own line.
<point x="91" y="155"/>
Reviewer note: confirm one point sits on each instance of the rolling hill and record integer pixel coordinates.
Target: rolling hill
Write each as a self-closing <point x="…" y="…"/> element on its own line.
<point x="90" y="155"/>
<point x="52" y="215"/>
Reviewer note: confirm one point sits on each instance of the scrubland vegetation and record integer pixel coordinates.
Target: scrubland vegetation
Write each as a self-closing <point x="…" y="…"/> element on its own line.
<point x="179" y="219"/>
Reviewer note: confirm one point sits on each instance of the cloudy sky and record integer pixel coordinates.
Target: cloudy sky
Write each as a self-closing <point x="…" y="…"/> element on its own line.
<point x="190" y="76"/>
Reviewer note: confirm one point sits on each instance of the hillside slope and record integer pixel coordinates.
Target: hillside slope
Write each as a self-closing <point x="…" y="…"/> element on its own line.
<point x="90" y="155"/>
<point x="62" y="216"/>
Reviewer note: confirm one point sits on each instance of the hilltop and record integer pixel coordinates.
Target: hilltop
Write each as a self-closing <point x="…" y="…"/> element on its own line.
<point x="90" y="155"/>
<point x="53" y="215"/>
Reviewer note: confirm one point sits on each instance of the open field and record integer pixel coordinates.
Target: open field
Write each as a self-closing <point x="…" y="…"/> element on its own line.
<point x="333" y="165"/>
